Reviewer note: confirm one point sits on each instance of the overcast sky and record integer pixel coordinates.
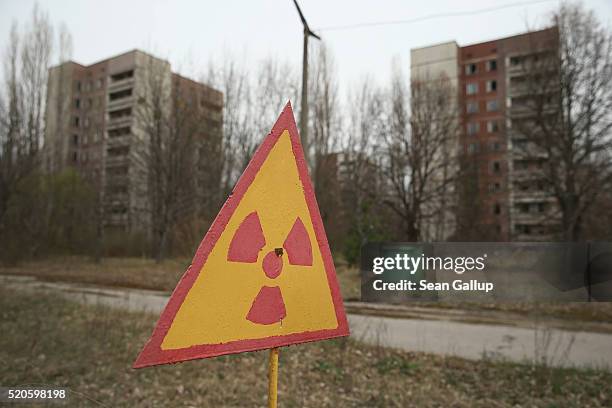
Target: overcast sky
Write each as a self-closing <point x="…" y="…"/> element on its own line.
<point x="189" y="33"/>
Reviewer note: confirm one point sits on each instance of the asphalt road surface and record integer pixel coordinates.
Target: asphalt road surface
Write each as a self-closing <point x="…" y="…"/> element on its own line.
<point x="538" y="343"/>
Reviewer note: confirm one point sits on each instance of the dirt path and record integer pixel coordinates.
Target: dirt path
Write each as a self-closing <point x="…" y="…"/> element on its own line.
<point x="518" y="343"/>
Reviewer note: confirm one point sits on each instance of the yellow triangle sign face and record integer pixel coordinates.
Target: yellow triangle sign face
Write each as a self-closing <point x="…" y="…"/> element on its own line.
<point x="263" y="276"/>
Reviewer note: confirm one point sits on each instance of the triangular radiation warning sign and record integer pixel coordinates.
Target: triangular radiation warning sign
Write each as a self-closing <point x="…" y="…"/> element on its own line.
<point x="263" y="276"/>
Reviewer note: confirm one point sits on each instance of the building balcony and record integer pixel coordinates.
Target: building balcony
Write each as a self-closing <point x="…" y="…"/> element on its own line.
<point x="116" y="179"/>
<point x="117" y="219"/>
<point x="113" y="199"/>
<point x="519" y="90"/>
<point x="527" y="153"/>
<point x="532" y="237"/>
<point x="119" y="122"/>
<point x="531" y="196"/>
<point x="527" y="174"/>
<point x="126" y="102"/>
<point x="531" y="218"/>
<point x="121" y="84"/>
<point x="117" y="160"/>
<point x="117" y="141"/>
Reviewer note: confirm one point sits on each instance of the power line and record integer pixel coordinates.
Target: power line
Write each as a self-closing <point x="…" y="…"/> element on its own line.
<point x="431" y="16"/>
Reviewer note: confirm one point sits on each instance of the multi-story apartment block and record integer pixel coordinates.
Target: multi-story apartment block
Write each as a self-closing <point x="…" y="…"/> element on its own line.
<point x="96" y="124"/>
<point x="511" y="200"/>
<point x="430" y="68"/>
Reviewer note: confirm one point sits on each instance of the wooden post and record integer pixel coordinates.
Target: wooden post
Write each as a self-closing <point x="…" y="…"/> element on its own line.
<point x="273" y="378"/>
<point x="304" y="105"/>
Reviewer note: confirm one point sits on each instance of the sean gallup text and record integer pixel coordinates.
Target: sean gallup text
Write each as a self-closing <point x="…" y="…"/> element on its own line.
<point x="471" y="285"/>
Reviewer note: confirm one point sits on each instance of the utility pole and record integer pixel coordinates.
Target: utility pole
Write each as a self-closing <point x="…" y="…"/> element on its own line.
<point x="304" y="103"/>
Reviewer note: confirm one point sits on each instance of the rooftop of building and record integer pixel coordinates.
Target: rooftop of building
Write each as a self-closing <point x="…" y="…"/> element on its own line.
<point x="133" y="51"/>
<point x="511" y="37"/>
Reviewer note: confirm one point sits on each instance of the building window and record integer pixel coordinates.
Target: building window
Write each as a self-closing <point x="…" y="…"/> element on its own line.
<point x="472" y="107"/>
<point x="492" y="105"/>
<point x="473" y="148"/>
<point x="492" y="85"/>
<point x="496" y="167"/>
<point x="120" y="113"/>
<point x="118" y="151"/>
<point x="494" y="187"/>
<point x="519" y="144"/>
<point x="523" y="186"/>
<point x="541" y="207"/>
<point x="122" y="75"/>
<point x="123" y="131"/>
<point x="78" y="86"/>
<point x="492" y="65"/>
<point x="523" y="229"/>
<point x="77" y="121"/>
<point x="75" y="140"/>
<point x="126" y="93"/>
<point x="521" y="165"/>
<point x="473" y="128"/>
<point x="99" y="83"/>
<point x="75" y="157"/>
<point x="515" y="61"/>
<point x="119" y="209"/>
<point x="470" y="69"/>
<point x="86" y="122"/>
<point x="497" y="209"/>
<point x="492" y="126"/>
<point x="471" y="88"/>
<point x="77" y="103"/>
<point x="495" y="146"/>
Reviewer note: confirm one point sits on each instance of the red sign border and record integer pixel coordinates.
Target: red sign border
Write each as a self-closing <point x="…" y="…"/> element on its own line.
<point x="152" y="354"/>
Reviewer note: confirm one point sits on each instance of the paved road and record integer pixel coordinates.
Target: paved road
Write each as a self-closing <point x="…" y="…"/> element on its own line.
<point x="468" y="340"/>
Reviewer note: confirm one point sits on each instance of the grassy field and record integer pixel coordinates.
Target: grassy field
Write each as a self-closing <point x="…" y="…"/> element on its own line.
<point x="49" y="340"/>
<point x="142" y="273"/>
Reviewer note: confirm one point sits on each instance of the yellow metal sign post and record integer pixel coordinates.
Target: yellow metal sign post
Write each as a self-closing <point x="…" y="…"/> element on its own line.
<point x="273" y="378"/>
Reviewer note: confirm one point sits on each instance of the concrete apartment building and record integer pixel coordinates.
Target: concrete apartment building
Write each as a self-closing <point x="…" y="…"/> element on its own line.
<point x="511" y="200"/>
<point x="94" y="124"/>
<point x="437" y="66"/>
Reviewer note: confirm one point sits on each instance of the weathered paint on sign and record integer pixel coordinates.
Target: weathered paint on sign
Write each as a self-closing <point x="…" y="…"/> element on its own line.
<point x="263" y="275"/>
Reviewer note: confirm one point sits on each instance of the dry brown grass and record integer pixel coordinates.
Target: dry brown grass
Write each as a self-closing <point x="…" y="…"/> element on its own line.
<point x="49" y="340"/>
<point x="580" y="311"/>
<point x="140" y="273"/>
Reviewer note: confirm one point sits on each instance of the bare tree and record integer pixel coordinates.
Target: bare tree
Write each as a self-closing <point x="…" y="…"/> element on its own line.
<point x="11" y="130"/>
<point x="22" y="105"/>
<point x="420" y="148"/>
<point x="35" y="57"/>
<point x="252" y="104"/>
<point x="275" y="84"/>
<point x="233" y="81"/>
<point x="181" y="149"/>
<point x="322" y="152"/>
<point x="564" y="120"/>
<point x="359" y="167"/>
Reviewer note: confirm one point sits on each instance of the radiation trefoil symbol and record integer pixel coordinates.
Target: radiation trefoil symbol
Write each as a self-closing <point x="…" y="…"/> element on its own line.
<point x="268" y="306"/>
